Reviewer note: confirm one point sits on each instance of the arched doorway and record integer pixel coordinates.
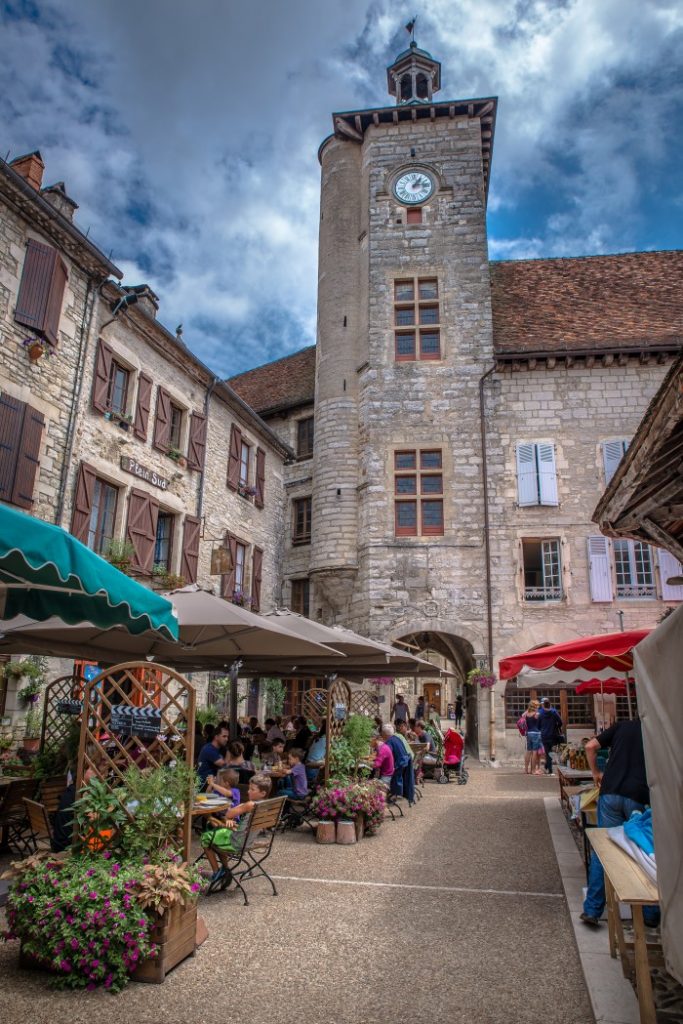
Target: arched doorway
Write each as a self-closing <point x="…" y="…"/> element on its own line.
<point x="459" y="658"/>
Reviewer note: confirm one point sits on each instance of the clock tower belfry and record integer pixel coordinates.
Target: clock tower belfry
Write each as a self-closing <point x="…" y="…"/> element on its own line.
<point x="404" y="336"/>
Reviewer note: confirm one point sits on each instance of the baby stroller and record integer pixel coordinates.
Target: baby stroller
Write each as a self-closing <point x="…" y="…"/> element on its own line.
<point x="453" y="759"/>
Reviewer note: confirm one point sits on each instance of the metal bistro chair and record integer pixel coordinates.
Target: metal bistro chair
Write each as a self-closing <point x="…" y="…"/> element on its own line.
<point x="14" y="826"/>
<point x="256" y="841"/>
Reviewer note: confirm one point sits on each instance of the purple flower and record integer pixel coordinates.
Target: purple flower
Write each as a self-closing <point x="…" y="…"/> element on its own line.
<point x="91" y="986"/>
<point x="74" y="943"/>
<point x="92" y="895"/>
<point x="90" y="872"/>
<point x="107" y="854"/>
<point x="65" y="966"/>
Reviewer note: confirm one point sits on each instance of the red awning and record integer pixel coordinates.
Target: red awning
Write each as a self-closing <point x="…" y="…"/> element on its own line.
<point x="616" y="686"/>
<point x="610" y="650"/>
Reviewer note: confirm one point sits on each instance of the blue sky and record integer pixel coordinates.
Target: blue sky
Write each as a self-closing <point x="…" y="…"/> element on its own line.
<point x="188" y="135"/>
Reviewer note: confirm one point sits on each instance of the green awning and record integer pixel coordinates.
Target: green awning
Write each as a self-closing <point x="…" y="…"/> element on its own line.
<point x="45" y="571"/>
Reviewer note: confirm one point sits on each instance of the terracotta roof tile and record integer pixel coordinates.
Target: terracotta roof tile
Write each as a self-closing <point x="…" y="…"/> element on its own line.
<point x="592" y="302"/>
<point x="283" y="384"/>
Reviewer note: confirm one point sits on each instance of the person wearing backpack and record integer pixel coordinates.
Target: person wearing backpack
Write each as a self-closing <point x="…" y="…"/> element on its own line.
<point x="552" y="731"/>
<point x="530" y="727"/>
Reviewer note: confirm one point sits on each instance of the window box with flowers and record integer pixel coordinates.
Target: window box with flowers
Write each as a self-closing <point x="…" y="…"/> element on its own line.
<point x="241" y="599"/>
<point x="177" y="456"/>
<point x="246" y="491"/>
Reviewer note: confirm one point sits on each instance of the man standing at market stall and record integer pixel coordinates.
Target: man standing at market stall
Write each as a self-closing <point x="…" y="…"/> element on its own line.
<point x="623" y="790"/>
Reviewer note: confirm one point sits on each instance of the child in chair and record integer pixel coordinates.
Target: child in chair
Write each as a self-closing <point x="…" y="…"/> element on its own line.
<point x="227" y="786"/>
<point x="226" y="841"/>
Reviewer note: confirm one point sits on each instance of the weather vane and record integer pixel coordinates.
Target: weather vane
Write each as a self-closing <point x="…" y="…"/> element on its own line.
<point x="410" y="29"/>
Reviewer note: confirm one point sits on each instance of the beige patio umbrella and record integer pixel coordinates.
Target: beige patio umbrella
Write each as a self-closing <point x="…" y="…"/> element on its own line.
<point x="213" y="633"/>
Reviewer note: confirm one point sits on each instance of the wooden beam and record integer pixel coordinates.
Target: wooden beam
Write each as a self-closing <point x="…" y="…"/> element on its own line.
<point x="640" y="509"/>
<point x="375" y="117"/>
<point x="470" y="109"/>
<point x="344" y="128"/>
<point x="359" y="126"/>
<point x="486" y="109"/>
<point x="662" y="538"/>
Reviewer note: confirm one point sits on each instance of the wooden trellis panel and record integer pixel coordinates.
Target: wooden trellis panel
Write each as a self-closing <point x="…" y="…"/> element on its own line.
<point x="145" y="688"/>
<point x="339" y="692"/>
<point x="314" y="706"/>
<point x="56" y="724"/>
<point x="363" y="702"/>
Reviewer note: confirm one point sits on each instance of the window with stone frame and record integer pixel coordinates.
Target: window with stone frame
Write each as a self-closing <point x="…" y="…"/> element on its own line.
<point x="117" y="395"/>
<point x="575" y="709"/>
<point x="542" y="568"/>
<point x="102" y="515"/>
<point x="176" y="426"/>
<point x="240" y="570"/>
<point x="634" y="569"/>
<point x="304" y="438"/>
<point x="416" y="319"/>
<point x="301" y="597"/>
<point x="301" y="520"/>
<point x="245" y="451"/>
<point x="163" y="541"/>
<point x="418" y="492"/>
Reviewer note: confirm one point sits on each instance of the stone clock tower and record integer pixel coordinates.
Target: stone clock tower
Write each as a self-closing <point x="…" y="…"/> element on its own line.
<point x="404" y="336"/>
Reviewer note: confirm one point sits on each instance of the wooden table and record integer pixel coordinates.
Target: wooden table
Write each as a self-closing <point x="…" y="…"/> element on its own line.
<point x="626" y="882"/>
<point x="570" y="777"/>
<point x="5" y="780"/>
<point x="206" y="808"/>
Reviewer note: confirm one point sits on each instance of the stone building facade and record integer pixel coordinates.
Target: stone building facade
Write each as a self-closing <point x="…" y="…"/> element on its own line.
<point x="467" y="413"/>
<point x="112" y="428"/>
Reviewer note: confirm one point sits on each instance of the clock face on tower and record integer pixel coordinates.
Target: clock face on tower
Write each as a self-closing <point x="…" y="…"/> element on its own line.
<point x="413" y="187"/>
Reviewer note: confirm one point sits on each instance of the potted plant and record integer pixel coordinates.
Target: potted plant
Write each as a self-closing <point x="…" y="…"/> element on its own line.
<point x="125" y="420"/>
<point x="481" y="677"/>
<point x="32" y="726"/>
<point x="241" y="599"/>
<point x="165" y="580"/>
<point x="119" y="553"/>
<point x="177" y="456"/>
<point x="246" y="490"/>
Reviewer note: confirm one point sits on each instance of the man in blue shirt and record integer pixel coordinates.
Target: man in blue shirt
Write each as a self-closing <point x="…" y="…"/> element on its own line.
<point x="210" y="757"/>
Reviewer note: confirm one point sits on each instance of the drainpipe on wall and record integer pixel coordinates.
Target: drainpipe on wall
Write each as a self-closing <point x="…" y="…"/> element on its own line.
<point x="487" y="553"/>
<point x="202" y="475"/>
<point x="86" y="323"/>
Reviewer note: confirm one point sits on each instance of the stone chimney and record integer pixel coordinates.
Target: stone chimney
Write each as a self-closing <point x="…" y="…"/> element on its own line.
<point x="57" y="197"/>
<point x="30" y="167"/>
<point x="146" y="299"/>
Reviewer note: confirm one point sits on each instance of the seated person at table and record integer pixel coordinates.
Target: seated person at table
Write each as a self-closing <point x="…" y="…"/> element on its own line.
<point x="384" y="760"/>
<point x="227" y="841"/>
<point x="273" y="730"/>
<point x="235" y="756"/>
<point x="318" y="747"/>
<point x="295" y="784"/>
<point x="275" y="755"/>
<point x="227" y="787"/>
<point x="210" y="757"/>
<point x="424" y="737"/>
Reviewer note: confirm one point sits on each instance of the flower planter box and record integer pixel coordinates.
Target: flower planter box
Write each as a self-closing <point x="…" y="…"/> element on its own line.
<point x="175" y="934"/>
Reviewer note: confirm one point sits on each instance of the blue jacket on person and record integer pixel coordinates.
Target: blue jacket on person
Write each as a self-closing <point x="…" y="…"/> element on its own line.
<point x="551" y="724"/>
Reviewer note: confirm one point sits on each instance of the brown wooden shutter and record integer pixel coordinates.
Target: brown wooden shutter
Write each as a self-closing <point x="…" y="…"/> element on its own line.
<point x="189" y="558"/>
<point x="28" y="459"/>
<point x="36" y="284"/>
<point x="256" y="571"/>
<point x="197" y="446"/>
<point x="141" y="530"/>
<point x="11" y="425"/>
<point x="53" y="311"/>
<point x="100" y="388"/>
<point x="85" y="486"/>
<point x="162" y="422"/>
<point x="260" y="478"/>
<point x="143" y="406"/>
<point x="228" y="580"/>
<point x="234" y="457"/>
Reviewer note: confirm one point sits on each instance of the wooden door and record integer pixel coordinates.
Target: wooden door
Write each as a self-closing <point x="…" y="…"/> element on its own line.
<point x="434" y="695"/>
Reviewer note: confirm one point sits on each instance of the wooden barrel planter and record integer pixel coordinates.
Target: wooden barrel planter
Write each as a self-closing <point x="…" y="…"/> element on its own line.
<point x="175" y="934"/>
<point x="326" y="832"/>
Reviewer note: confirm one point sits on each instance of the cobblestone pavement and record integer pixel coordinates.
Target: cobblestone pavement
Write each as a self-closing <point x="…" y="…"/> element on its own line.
<point x="453" y="914"/>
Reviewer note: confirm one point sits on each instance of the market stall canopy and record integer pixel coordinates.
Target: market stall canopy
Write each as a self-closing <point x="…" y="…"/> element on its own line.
<point x="551" y="678"/>
<point x="212" y="634"/>
<point x="660" y="701"/>
<point x="613" y="685"/>
<point x="46" y="572"/>
<point x="609" y="650"/>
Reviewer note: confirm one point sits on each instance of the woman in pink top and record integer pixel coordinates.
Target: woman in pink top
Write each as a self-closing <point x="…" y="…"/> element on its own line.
<point x="384" y="760"/>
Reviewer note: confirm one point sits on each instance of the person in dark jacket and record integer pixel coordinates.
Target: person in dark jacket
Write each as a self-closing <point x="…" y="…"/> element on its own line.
<point x="551" y="730"/>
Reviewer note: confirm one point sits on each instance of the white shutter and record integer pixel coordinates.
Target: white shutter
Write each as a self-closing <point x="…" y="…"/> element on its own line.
<point x="547" y="475"/>
<point x="527" y="481"/>
<point x="612" y="454"/>
<point x="670" y="566"/>
<point x="600" y="569"/>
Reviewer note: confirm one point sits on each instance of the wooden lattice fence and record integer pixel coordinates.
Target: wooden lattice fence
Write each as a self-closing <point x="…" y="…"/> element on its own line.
<point x="62" y="704"/>
<point x="133" y="713"/>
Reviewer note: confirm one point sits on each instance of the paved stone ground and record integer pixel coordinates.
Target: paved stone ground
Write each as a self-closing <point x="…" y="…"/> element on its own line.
<point x="452" y="915"/>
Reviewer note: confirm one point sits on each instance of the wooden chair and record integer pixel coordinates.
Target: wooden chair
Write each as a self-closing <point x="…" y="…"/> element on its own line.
<point x="257" y="837"/>
<point x="51" y="791"/>
<point x="39" y="824"/>
<point x="14" y="826"/>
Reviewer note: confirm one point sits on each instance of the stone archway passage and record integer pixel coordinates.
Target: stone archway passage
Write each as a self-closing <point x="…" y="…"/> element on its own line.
<point x="459" y="655"/>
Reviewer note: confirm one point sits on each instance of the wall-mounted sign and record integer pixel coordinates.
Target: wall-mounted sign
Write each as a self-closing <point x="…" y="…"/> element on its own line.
<point x="143" y="472"/>
<point x="221" y="561"/>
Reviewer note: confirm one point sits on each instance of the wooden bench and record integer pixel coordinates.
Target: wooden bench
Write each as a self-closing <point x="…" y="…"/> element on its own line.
<point x="626" y="882"/>
<point x="570" y="777"/>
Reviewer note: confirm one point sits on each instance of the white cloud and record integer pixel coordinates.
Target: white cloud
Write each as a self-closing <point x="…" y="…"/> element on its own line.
<point x="188" y="133"/>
